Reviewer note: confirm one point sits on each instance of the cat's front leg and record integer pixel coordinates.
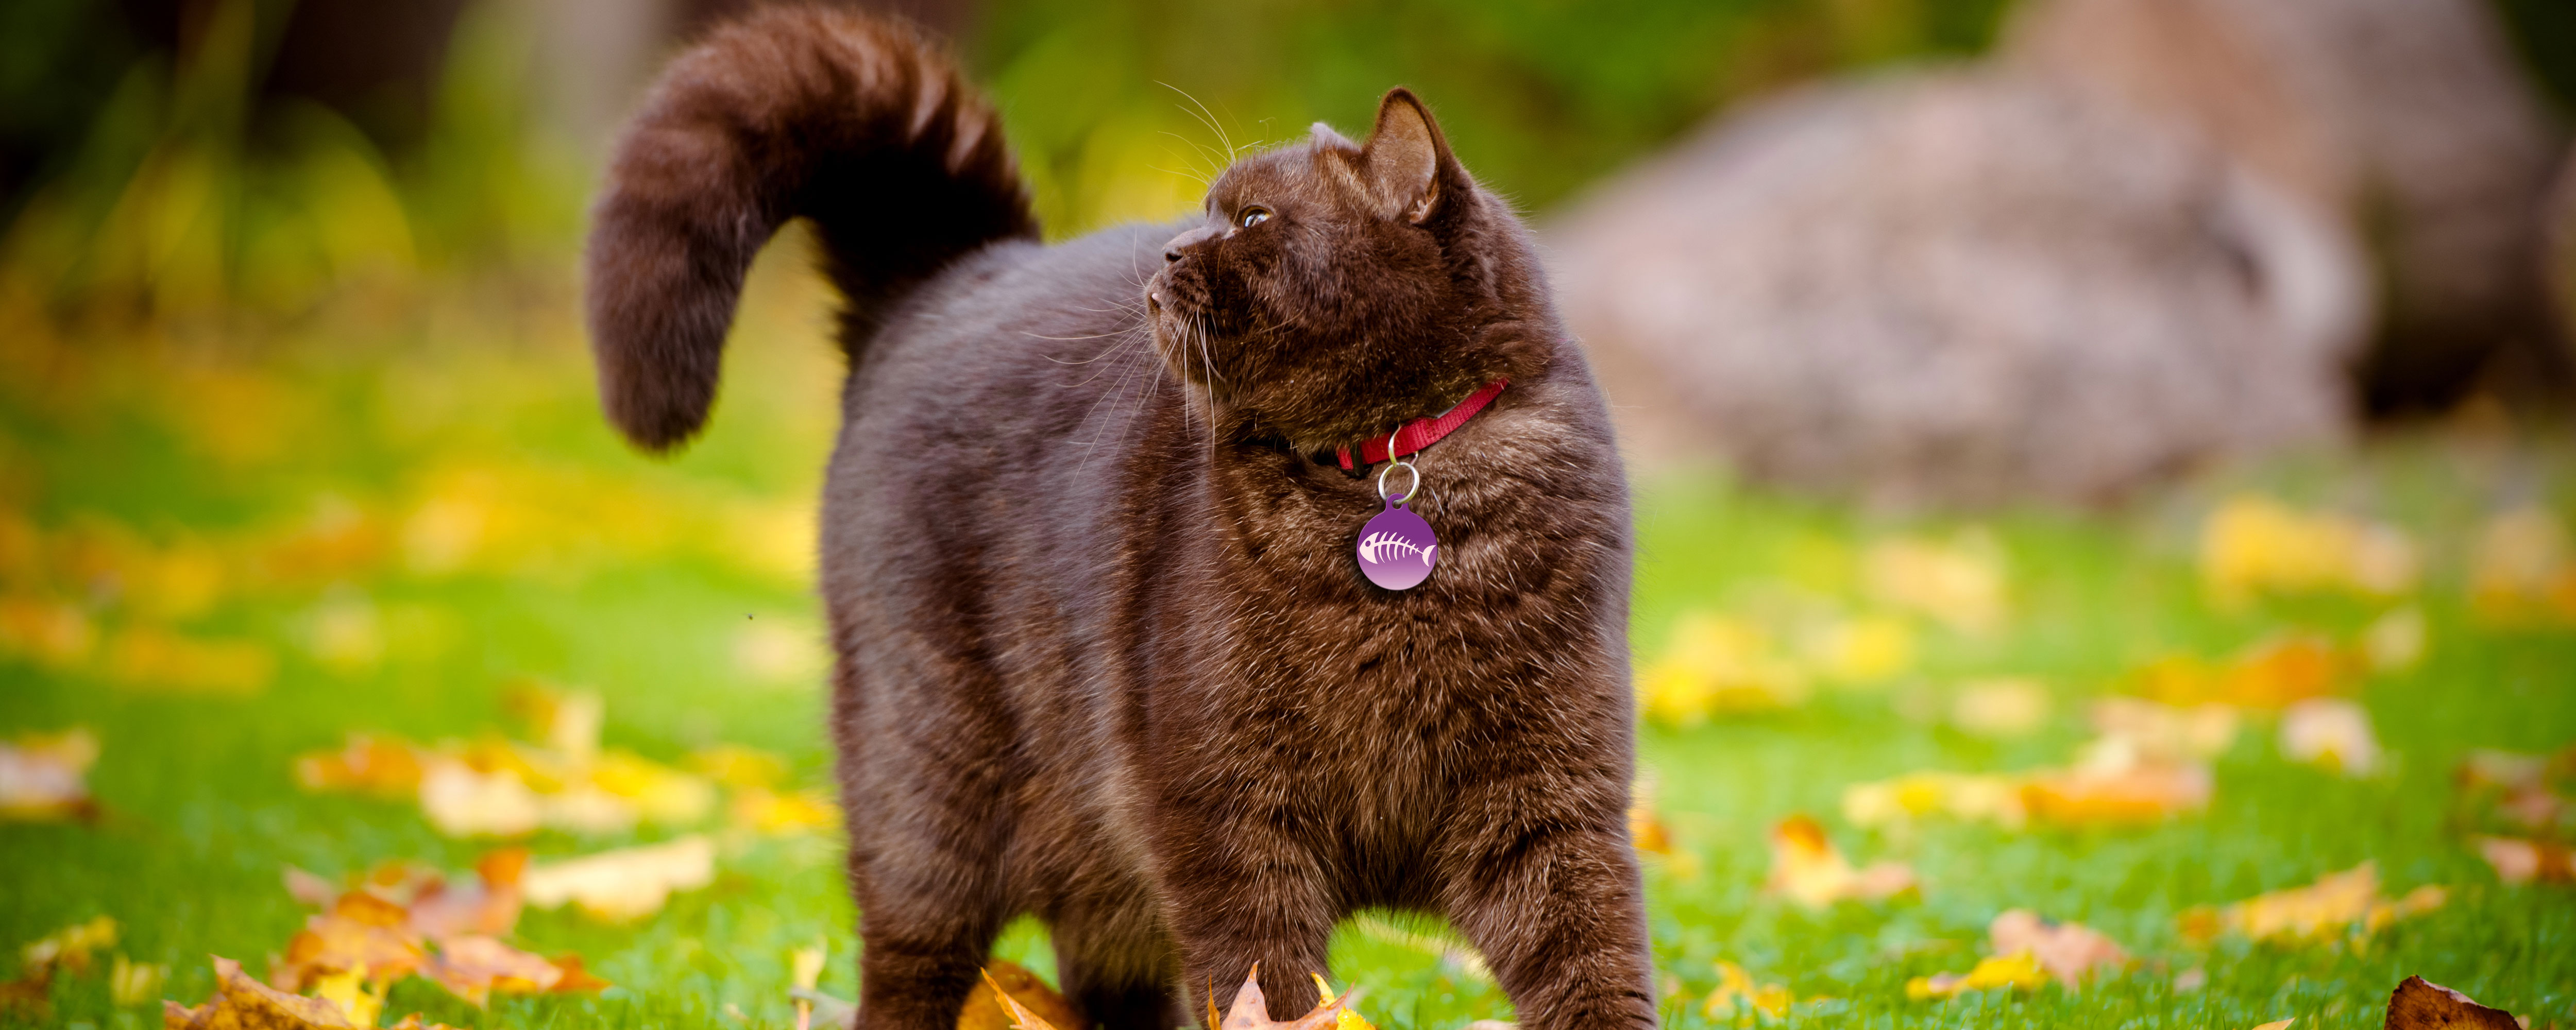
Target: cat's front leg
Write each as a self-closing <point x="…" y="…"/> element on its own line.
<point x="1546" y="885"/>
<point x="1236" y="893"/>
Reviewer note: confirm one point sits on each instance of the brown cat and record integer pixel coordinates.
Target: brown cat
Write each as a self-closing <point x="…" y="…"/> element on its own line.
<point x="1106" y="654"/>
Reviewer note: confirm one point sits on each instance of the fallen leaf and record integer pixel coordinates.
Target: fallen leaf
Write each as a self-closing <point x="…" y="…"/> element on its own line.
<point x="781" y="813"/>
<point x="352" y="992"/>
<point x="1717" y="665"/>
<point x="625" y="884"/>
<point x="2396" y="642"/>
<point x="2338" y="904"/>
<point x="1866" y="649"/>
<point x="2519" y="861"/>
<point x="385" y="767"/>
<point x="2520" y="570"/>
<point x="2268" y="675"/>
<point x="2190" y="980"/>
<point x="2254" y="545"/>
<point x="2069" y="952"/>
<point x="55" y="634"/>
<point x="462" y="802"/>
<point x="2004" y="707"/>
<point x="1251" y="1012"/>
<point x="2331" y="732"/>
<point x="2420" y="1005"/>
<point x="361" y="933"/>
<point x="1969" y="796"/>
<point x="1808" y="869"/>
<point x="241" y="1003"/>
<point x="2277" y="1024"/>
<point x="1008" y="989"/>
<point x="736" y="766"/>
<point x="131" y="983"/>
<point x="1350" y="1019"/>
<point x="2522" y="790"/>
<point x="805" y="969"/>
<point x="2165" y="734"/>
<point x="2019" y="971"/>
<point x="474" y="967"/>
<point x="1959" y="583"/>
<point x="2113" y="785"/>
<point x="154" y="660"/>
<point x="1738" y="997"/>
<point x="64" y="951"/>
<point x="44" y="777"/>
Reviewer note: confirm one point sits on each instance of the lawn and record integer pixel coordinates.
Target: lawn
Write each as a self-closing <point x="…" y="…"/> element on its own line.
<point x="391" y="520"/>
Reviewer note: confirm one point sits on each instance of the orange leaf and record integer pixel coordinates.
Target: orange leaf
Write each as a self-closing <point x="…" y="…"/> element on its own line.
<point x="2417" y="1004"/>
<point x="1251" y="1012"/>
<point x="473" y="967"/>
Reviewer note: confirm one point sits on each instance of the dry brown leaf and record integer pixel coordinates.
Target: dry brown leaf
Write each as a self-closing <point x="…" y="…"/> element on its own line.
<point x="1251" y="1012"/>
<point x="45" y="776"/>
<point x="1008" y="991"/>
<point x="2519" y="861"/>
<point x="2338" y="904"/>
<point x="2069" y="952"/>
<point x="241" y="1003"/>
<point x="474" y="967"/>
<point x="1808" y="869"/>
<point x="2419" y="1005"/>
<point x="625" y="884"/>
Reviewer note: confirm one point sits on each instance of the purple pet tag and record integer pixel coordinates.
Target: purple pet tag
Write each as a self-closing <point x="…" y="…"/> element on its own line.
<point x="1396" y="548"/>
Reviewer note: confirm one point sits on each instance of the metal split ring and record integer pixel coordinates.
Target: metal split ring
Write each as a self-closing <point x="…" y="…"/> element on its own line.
<point x="1391" y="462"/>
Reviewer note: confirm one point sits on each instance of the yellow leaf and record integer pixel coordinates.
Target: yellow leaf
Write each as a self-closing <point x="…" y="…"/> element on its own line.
<point x="2003" y="707"/>
<point x="2338" y="904"/>
<point x="1959" y="583"/>
<point x="1716" y="666"/>
<point x="1738" y="996"/>
<point x="1012" y="996"/>
<point x="2254" y="545"/>
<point x="2019" y="971"/>
<point x="349" y="991"/>
<point x="1808" y="869"/>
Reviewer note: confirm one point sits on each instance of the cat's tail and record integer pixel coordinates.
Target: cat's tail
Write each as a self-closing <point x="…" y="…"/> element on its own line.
<point x="858" y="124"/>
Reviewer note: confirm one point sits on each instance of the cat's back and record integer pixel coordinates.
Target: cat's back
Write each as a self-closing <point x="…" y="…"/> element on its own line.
<point x="988" y="423"/>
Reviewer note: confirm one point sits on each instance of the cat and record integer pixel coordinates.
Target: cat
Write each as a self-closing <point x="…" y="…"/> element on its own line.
<point x="1104" y="652"/>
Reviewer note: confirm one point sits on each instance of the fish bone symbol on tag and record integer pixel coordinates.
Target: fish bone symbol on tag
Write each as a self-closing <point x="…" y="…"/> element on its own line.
<point x="1397" y="549"/>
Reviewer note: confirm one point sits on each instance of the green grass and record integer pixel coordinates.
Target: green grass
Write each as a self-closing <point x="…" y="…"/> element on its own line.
<point x="202" y="812"/>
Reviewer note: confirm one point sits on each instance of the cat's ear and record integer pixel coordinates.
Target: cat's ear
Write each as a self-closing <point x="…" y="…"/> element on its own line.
<point x="1401" y="164"/>
<point x="1324" y="136"/>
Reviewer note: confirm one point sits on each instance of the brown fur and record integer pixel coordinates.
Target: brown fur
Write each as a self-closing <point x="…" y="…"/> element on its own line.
<point x="1105" y="655"/>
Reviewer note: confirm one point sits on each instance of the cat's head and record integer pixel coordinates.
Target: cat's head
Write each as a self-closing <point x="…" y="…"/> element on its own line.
<point x="1334" y="289"/>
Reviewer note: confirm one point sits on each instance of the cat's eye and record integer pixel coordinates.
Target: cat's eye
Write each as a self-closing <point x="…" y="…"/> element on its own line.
<point x="1251" y="216"/>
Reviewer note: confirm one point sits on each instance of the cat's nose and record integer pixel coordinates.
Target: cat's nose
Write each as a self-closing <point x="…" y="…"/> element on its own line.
<point x="1180" y="245"/>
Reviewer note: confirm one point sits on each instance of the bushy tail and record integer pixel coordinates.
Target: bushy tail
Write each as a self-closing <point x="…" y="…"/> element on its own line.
<point x="858" y="124"/>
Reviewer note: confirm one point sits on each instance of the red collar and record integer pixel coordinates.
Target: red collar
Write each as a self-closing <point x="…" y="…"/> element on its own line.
<point x="1413" y="436"/>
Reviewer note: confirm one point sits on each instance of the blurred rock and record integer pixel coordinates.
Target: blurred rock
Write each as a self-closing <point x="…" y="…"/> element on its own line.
<point x="2410" y="118"/>
<point x="1958" y="286"/>
<point x="2558" y="252"/>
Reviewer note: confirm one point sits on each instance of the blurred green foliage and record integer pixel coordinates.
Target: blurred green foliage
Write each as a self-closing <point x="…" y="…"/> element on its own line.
<point x="1119" y="109"/>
